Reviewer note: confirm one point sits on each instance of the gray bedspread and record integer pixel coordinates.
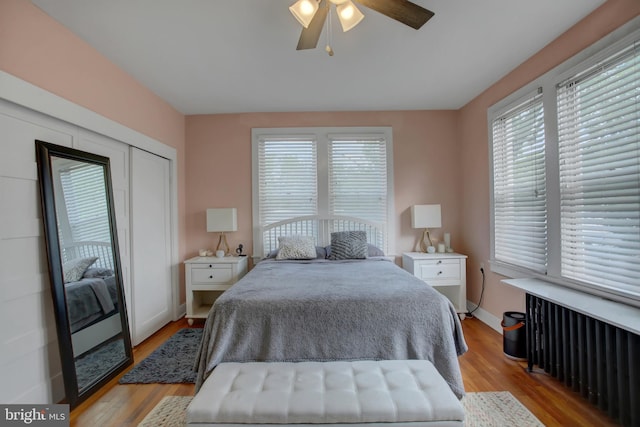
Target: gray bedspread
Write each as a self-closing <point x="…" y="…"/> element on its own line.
<point x="332" y="310"/>
<point x="89" y="299"/>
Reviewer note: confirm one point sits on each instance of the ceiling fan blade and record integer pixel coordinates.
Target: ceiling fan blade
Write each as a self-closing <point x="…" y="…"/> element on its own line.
<point x="401" y="10"/>
<point x="310" y="35"/>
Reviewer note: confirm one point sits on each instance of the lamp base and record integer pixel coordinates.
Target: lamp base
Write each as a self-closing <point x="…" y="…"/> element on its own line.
<point x="424" y="247"/>
<point x="222" y="244"/>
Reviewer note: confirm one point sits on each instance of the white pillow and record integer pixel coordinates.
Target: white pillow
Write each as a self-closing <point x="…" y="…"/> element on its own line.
<point x="74" y="270"/>
<point x="296" y="247"/>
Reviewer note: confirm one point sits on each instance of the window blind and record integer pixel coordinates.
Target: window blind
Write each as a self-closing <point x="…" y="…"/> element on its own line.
<point x="322" y="172"/>
<point x="83" y="188"/>
<point x="358" y="178"/>
<point x="519" y="185"/>
<point x="287" y="171"/>
<point x="599" y="154"/>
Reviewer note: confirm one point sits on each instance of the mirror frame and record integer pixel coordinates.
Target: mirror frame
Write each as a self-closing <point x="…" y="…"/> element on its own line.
<point x="44" y="152"/>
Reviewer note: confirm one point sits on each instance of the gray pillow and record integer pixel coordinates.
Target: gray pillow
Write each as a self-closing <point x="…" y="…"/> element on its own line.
<point x="372" y="251"/>
<point x="94" y="272"/>
<point x="74" y="269"/>
<point x="348" y="245"/>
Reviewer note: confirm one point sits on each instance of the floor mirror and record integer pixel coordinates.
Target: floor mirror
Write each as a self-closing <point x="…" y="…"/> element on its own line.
<point x="84" y="268"/>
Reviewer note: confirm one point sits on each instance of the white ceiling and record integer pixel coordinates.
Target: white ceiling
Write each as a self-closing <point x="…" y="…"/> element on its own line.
<point x="229" y="56"/>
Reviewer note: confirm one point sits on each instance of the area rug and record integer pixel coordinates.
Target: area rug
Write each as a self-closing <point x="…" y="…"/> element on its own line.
<point x="171" y="363"/>
<point x="486" y="409"/>
<point x="496" y="408"/>
<point x="98" y="362"/>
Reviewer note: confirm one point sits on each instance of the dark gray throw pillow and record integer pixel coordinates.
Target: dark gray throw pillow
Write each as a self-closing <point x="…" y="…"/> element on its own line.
<point x="348" y="245"/>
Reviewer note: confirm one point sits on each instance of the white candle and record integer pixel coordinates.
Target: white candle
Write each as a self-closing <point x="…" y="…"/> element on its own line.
<point x="447" y="240"/>
<point x="441" y="247"/>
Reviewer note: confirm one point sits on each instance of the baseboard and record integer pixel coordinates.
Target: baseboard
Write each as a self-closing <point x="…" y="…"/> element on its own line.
<point x="181" y="312"/>
<point x="485" y="317"/>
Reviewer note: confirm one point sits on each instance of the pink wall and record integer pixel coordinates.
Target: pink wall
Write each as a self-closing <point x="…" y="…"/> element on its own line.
<point x="35" y="48"/>
<point x="473" y="161"/>
<point x="425" y="155"/>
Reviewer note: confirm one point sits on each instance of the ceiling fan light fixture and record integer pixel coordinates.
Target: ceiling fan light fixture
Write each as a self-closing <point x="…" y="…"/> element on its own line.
<point x="304" y="11"/>
<point x="349" y="15"/>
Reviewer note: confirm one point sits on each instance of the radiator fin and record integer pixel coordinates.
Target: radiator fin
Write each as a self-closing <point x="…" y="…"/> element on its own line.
<point x="596" y="359"/>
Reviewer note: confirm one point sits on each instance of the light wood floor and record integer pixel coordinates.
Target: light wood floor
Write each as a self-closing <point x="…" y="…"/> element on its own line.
<point x="484" y="368"/>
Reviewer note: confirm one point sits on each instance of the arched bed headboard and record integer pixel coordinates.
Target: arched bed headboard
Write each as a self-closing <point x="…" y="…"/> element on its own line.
<point x="85" y="249"/>
<point x="320" y="228"/>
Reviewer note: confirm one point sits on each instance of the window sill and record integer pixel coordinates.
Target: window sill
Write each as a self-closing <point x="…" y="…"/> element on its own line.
<point x="616" y="313"/>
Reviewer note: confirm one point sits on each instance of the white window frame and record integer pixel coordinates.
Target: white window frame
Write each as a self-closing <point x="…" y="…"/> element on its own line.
<point x="590" y="56"/>
<point x="322" y="135"/>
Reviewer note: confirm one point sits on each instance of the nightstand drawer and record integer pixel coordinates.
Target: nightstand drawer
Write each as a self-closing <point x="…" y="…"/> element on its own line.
<point x="439" y="269"/>
<point x="211" y="275"/>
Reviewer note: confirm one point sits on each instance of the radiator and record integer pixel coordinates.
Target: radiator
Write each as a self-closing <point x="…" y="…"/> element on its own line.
<point x="596" y="359"/>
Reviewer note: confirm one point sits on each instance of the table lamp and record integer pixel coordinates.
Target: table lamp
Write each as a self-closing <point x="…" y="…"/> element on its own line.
<point x="222" y="220"/>
<point x="426" y="216"/>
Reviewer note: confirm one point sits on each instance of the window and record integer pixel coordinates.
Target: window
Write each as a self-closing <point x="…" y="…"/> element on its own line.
<point x="566" y="174"/>
<point x="599" y="153"/>
<point x="85" y="200"/>
<point x="323" y="172"/>
<point x="358" y="178"/>
<point x="288" y="178"/>
<point x="519" y="186"/>
<point x="80" y="193"/>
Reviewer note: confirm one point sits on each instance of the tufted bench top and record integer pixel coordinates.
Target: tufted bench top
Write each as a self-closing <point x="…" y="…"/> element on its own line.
<point x="400" y="392"/>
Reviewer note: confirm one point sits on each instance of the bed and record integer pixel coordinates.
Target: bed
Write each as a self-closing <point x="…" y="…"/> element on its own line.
<point x="320" y="309"/>
<point x="91" y="294"/>
<point x="91" y="299"/>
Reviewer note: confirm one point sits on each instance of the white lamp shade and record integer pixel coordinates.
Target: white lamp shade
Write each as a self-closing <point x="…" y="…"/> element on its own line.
<point x="304" y="11"/>
<point x="222" y="219"/>
<point x="426" y="216"/>
<point x="349" y="15"/>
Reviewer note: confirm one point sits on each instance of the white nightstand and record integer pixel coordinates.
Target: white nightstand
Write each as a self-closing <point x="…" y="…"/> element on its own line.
<point x="207" y="278"/>
<point x="446" y="272"/>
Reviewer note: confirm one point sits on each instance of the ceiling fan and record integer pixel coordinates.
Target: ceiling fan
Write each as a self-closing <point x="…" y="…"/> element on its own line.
<point x="312" y="14"/>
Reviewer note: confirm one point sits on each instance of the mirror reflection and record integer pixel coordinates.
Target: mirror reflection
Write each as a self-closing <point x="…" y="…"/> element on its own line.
<point x="84" y="266"/>
<point x="88" y="267"/>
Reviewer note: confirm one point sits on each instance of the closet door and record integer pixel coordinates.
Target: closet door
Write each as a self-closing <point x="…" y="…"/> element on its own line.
<point x="150" y="244"/>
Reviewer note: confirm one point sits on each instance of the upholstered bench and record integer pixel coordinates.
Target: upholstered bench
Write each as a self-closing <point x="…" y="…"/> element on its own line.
<point x="390" y="393"/>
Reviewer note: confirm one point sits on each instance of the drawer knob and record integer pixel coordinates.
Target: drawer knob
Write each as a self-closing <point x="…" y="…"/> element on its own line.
<point x="211" y="277"/>
<point x="439" y="261"/>
<point x="439" y="273"/>
<point x="210" y="266"/>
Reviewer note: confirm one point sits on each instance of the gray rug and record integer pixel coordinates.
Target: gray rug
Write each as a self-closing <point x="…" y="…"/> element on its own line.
<point x="486" y="409"/>
<point x="98" y="362"/>
<point x="171" y="363"/>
